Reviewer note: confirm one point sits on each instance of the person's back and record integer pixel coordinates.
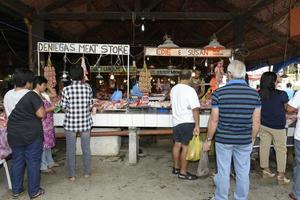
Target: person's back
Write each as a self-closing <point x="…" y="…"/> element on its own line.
<point x="235" y="119"/>
<point x="183" y="97"/>
<point x="273" y="110"/>
<point x="77" y="101"/>
<point x="77" y="106"/>
<point x="236" y="102"/>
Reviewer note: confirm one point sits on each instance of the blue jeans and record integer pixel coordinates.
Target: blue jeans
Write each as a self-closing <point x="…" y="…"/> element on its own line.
<point x="46" y="159"/>
<point x="71" y="150"/>
<point x="26" y="156"/>
<point x="241" y="159"/>
<point x="296" y="187"/>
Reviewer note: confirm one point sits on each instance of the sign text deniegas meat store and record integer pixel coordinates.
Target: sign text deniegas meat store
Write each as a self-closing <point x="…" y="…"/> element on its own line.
<point x="82" y="48"/>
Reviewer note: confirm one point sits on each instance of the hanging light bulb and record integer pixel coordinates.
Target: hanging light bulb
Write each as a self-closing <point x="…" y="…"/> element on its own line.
<point x="143" y="27"/>
<point x="112" y="77"/>
<point x="206" y="63"/>
<point x="64" y="74"/>
<point x="193" y="74"/>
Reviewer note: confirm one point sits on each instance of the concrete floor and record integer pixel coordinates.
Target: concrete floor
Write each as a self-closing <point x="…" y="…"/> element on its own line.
<point x="151" y="179"/>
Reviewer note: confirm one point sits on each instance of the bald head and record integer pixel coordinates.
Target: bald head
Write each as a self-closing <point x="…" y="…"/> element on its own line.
<point x="237" y="69"/>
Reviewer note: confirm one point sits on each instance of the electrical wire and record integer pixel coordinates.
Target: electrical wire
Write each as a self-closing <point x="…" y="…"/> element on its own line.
<point x="9" y="46"/>
<point x="11" y="49"/>
<point x="23" y="31"/>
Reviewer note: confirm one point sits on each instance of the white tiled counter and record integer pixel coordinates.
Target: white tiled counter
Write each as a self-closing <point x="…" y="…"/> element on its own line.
<point x="138" y="120"/>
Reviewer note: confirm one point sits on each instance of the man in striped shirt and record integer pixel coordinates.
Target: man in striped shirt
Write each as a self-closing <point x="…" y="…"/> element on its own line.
<point x="235" y="119"/>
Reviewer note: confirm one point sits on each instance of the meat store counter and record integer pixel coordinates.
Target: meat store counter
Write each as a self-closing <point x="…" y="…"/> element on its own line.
<point x="136" y="120"/>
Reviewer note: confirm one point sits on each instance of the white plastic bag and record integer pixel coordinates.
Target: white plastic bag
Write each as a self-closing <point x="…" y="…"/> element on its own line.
<point x="203" y="166"/>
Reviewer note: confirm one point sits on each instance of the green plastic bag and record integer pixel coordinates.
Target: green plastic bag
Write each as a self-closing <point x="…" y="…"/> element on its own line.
<point x="194" y="149"/>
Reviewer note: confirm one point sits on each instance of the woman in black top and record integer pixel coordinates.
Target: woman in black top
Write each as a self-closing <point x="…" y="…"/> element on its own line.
<point x="273" y="126"/>
<point x="24" y="109"/>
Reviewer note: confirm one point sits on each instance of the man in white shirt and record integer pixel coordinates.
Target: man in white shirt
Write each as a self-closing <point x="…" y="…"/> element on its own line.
<point x="293" y="106"/>
<point x="185" y="116"/>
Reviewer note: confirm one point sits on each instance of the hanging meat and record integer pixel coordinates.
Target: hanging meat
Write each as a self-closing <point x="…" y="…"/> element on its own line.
<point x="145" y="79"/>
<point x="49" y="73"/>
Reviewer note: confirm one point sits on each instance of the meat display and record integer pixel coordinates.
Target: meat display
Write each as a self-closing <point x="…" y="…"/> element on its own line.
<point x="102" y="105"/>
<point x="49" y="73"/>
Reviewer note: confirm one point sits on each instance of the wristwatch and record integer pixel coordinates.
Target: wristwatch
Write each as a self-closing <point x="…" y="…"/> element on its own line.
<point x="208" y="139"/>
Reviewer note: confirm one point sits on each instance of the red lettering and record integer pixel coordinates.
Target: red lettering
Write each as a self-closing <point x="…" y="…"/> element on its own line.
<point x="163" y="52"/>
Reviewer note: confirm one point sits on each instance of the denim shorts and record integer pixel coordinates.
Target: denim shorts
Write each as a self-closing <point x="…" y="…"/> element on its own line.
<point x="183" y="133"/>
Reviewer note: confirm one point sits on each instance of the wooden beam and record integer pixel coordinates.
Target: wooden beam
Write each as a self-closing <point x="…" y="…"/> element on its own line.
<point x="71" y="16"/>
<point x="152" y="5"/>
<point x="253" y="9"/>
<point x="259" y="26"/>
<point x="56" y="4"/>
<point x="18" y="6"/>
<point x="254" y="50"/>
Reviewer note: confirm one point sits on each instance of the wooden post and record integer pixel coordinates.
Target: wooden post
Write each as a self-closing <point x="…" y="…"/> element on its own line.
<point x="38" y="29"/>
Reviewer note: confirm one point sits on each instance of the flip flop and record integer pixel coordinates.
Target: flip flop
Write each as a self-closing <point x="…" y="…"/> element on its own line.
<point x="175" y="171"/>
<point x="187" y="176"/>
<point x="40" y="193"/>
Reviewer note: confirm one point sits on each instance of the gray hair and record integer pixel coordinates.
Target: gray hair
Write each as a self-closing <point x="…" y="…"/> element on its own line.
<point x="237" y="69"/>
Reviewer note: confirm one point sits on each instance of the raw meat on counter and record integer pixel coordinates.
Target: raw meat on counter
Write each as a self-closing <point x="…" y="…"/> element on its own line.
<point x="109" y="105"/>
<point x="157" y="104"/>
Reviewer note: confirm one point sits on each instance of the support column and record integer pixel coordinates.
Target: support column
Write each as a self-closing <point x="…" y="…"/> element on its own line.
<point x="133" y="145"/>
<point x="38" y="31"/>
<point x="239" y="34"/>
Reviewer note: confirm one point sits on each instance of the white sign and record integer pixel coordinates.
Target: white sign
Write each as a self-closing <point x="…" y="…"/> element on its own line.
<point x="187" y="52"/>
<point x="82" y="48"/>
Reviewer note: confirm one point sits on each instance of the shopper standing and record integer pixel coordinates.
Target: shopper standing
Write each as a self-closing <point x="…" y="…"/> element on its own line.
<point x="77" y="102"/>
<point x="272" y="126"/>
<point x="40" y="85"/>
<point x="24" y="109"/>
<point x="294" y="106"/>
<point x="185" y="115"/>
<point x="235" y="119"/>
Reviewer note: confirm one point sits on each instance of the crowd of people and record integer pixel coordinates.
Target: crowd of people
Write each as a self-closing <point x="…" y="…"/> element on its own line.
<point x="239" y="113"/>
<point x="28" y="107"/>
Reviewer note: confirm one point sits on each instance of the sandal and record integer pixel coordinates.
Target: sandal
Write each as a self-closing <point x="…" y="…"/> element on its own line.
<point x="267" y="174"/>
<point x="283" y="180"/>
<point x="187" y="176"/>
<point x="40" y="193"/>
<point x="17" y="195"/>
<point x="72" y="178"/>
<point x="175" y="171"/>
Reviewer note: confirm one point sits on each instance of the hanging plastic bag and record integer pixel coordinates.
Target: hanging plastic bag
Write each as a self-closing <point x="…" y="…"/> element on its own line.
<point x="5" y="150"/>
<point x="194" y="149"/>
<point x="203" y="166"/>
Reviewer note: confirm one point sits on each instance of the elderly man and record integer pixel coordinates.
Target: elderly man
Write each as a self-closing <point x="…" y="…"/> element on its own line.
<point x="235" y="119"/>
<point x="185" y="116"/>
